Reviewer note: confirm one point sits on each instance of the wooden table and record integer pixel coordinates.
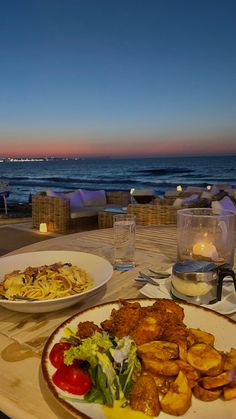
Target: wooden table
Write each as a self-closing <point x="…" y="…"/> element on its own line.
<point x="24" y="394"/>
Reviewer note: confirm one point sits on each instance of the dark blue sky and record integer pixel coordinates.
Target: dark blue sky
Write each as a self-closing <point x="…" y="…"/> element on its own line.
<point x="108" y="76"/>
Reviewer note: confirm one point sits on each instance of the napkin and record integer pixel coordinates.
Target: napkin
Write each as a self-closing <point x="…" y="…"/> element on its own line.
<point x="226" y="306"/>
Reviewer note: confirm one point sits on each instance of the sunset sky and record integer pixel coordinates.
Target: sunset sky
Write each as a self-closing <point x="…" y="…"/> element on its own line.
<point x="117" y="77"/>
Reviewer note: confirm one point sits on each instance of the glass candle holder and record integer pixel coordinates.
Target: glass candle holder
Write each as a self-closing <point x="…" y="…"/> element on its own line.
<point x="205" y="235"/>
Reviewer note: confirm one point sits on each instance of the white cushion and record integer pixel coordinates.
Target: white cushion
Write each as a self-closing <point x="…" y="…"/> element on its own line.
<point x="171" y="193"/>
<point x="54" y="194"/>
<point x="215" y="190"/>
<point x="92" y="198"/>
<point x="179" y="201"/>
<point x="76" y="200"/>
<point x="74" y="197"/>
<point x="143" y="192"/>
<point x="224" y="204"/>
<point x="195" y="189"/>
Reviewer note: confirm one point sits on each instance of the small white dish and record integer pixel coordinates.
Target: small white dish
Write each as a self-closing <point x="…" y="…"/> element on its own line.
<point x="100" y="270"/>
<point x="226" y="306"/>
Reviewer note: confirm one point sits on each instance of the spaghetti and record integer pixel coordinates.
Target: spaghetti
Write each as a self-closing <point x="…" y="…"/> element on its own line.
<point x="45" y="282"/>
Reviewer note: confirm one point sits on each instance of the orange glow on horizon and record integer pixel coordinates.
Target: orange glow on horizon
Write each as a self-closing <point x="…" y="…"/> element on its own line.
<point x="72" y="147"/>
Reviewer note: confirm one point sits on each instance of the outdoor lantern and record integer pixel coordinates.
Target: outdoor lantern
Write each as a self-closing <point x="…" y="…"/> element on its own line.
<point x="179" y="188"/>
<point x="43" y="228"/>
<point x="205" y="235"/>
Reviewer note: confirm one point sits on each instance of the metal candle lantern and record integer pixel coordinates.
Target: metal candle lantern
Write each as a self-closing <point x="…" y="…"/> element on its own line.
<point x="205" y="253"/>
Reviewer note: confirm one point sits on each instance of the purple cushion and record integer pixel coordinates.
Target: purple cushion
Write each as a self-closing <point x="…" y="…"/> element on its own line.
<point x="74" y="198"/>
<point x="93" y="198"/>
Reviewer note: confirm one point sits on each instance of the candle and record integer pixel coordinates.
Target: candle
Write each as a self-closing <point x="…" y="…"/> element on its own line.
<point x="205" y="249"/>
<point x="43" y="228"/>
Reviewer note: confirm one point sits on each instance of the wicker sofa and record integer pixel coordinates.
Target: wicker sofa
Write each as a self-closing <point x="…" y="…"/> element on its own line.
<point x="58" y="214"/>
<point x="163" y="210"/>
<point x="147" y="214"/>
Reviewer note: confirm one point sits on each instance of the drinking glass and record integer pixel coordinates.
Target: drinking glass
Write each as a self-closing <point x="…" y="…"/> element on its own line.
<point x="124" y="241"/>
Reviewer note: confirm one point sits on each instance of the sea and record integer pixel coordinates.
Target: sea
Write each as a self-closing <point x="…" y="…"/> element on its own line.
<point x="27" y="178"/>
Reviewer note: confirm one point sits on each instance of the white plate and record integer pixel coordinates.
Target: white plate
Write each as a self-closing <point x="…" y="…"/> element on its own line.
<point x="223" y="328"/>
<point x="99" y="269"/>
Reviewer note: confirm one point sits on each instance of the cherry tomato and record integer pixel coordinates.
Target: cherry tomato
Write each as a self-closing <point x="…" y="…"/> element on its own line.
<point x="72" y="379"/>
<point x="56" y="355"/>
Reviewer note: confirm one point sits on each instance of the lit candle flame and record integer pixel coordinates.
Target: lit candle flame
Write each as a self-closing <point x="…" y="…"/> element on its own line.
<point x="205" y="249"/>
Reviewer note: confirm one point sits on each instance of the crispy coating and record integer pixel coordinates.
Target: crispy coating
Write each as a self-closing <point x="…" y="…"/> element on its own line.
<point x="87" y="329"/>
<point x="170" y="306"/>
<point x="162" y="321"/>
<point x="123" y="320"/>
<point x="144" y="396"/>
<point x="147" y="330"/>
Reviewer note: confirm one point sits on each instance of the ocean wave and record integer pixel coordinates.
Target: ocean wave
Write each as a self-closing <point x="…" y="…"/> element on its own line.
<point x="164" y="172"/>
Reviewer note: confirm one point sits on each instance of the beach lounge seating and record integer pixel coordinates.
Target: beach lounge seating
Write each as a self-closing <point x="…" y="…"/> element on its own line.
<point x="68" y="212"/>
<point x="225" y="203"/>
<point x="142" y="196"/>
<point x="164" y="210"/>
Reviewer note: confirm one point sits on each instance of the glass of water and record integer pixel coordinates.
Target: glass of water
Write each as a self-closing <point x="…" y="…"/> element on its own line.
<point x="124" y="241"/>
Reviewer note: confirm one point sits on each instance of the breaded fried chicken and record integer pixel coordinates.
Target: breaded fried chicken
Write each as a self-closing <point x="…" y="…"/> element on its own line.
<point x="163" y="320"/>
<point x="87" y="329"/>
<point x="123" y="320"/>
<point x="170" y="307"/>
<point x="147" y="329"/>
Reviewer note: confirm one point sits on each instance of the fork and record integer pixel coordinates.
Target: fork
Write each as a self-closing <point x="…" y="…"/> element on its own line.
<point x="146" y="280"/>
<point x="158" y="274"/>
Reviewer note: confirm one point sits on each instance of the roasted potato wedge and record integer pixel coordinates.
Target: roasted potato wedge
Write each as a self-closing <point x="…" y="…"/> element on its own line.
<point x="206" y="395"/>
<point x="159" y="367"/>
<point x="163" y="383"/>
<point x="201" y="336"/>
<point x="191" y="373"/>
<point x="230" y="391"/>
<point x="183" y="349"/>
<point x="230" y="359"/>
<point x="205" y="359"/>
<point x="178" y="399"/>
<point x="219" y="380"/>
<point x="159" y="350"/>
<point x="144" y="396"/>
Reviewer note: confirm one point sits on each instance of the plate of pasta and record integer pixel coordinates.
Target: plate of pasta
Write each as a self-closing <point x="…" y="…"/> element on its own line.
<point x="47" y="281"/>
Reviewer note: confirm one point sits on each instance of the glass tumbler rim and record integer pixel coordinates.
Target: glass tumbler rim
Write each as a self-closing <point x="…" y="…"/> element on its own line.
<point x="205" y="212"/>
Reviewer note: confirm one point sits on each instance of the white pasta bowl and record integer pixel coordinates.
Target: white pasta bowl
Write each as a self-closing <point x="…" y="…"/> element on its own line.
<point x="98" y="268"/>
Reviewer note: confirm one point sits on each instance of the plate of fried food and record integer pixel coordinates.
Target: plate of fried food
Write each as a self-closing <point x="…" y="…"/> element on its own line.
<point x="47" y="281"/>
<point x="141" y="358"/>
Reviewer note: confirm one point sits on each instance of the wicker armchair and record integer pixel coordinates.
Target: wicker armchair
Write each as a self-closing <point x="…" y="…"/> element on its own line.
<point x="55" y="211"/>
<point x="153" y="214"/>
